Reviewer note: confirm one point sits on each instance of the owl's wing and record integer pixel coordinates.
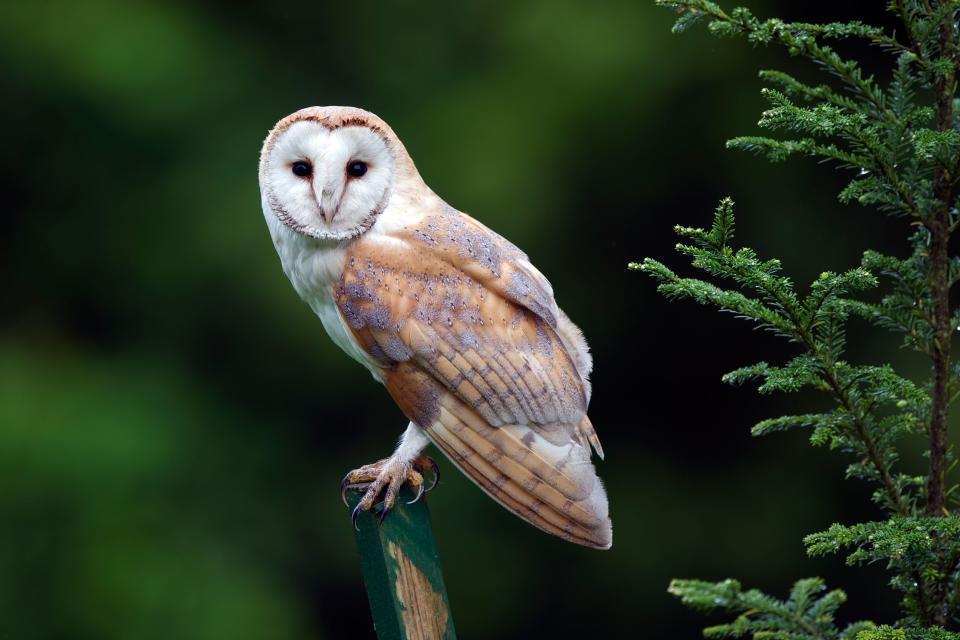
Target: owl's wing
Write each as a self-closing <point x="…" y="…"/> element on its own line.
<point x="467" y="333"/>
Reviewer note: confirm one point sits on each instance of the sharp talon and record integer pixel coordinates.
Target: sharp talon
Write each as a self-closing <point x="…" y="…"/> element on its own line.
<point x="385" y="478"/>
<point x="419" y="494"/>
<point x="354" y="516"/>
<point x="435" y="468"/>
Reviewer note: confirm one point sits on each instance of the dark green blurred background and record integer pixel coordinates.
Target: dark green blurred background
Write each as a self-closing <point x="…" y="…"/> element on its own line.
<point x="174" y="421"/>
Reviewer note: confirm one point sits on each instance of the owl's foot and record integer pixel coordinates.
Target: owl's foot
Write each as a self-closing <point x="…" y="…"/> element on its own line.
<point x="390" y="475"/>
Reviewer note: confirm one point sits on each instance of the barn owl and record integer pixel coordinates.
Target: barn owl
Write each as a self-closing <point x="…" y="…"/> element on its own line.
<point x="454" y="320"/>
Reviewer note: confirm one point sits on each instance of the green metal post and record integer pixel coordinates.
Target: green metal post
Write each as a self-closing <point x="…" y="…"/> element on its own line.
<point x="401" y="571"/>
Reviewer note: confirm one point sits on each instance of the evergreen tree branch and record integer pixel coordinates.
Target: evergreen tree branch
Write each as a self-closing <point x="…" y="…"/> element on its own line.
<point x="783" y="312"/>
<point x="798" y="38"/>
<point x="903" y="140"/>
<point x="908" y="203"/>
<point x="841" y="393"/>
<point x="863" y="433"/>
<point x="808" y="613"/>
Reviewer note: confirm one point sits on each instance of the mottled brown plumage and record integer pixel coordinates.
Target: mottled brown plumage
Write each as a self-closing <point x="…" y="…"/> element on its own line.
<point x="468" y="342"/>
<point x="466" y="336"/>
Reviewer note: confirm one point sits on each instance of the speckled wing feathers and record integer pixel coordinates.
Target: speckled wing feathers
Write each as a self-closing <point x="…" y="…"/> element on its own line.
<point x="490" y="258"/>
<point x="552" y="486"/>
<point x="466" y="331"/>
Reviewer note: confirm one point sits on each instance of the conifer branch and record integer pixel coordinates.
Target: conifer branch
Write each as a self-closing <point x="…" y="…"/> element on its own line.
<point x="786" y="314"/>
<point x="902" y="141"/>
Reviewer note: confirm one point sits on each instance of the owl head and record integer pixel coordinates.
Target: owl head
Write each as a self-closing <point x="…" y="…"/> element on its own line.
<point x="328" y="172"/>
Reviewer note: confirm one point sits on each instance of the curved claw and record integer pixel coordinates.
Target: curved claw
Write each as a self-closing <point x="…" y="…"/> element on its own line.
<point x="420" y="491"/>
<point x="383" y="514"/>
<point x="435" y="468"/>
<point x="344" y="485"/>
<point x="354" y="516"/>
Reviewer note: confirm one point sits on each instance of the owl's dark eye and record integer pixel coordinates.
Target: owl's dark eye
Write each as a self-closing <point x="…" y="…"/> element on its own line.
<point x="301" y="169"/>
<point x="356" y="169"/>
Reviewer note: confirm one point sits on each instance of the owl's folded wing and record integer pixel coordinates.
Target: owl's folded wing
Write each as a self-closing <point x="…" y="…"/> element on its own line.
<point x="468" y="308"/>
<point x="544" y="476"/>
<point x="467" y="334"/>
<point x="482" y="253"/>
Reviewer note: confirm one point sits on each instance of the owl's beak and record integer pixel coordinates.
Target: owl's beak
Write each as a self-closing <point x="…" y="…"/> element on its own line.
<point x="327" y="200"/>
<point x="328" y="213"/>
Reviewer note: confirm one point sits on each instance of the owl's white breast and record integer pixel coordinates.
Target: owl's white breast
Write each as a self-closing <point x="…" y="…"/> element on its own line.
<point x="313" y="267"/>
